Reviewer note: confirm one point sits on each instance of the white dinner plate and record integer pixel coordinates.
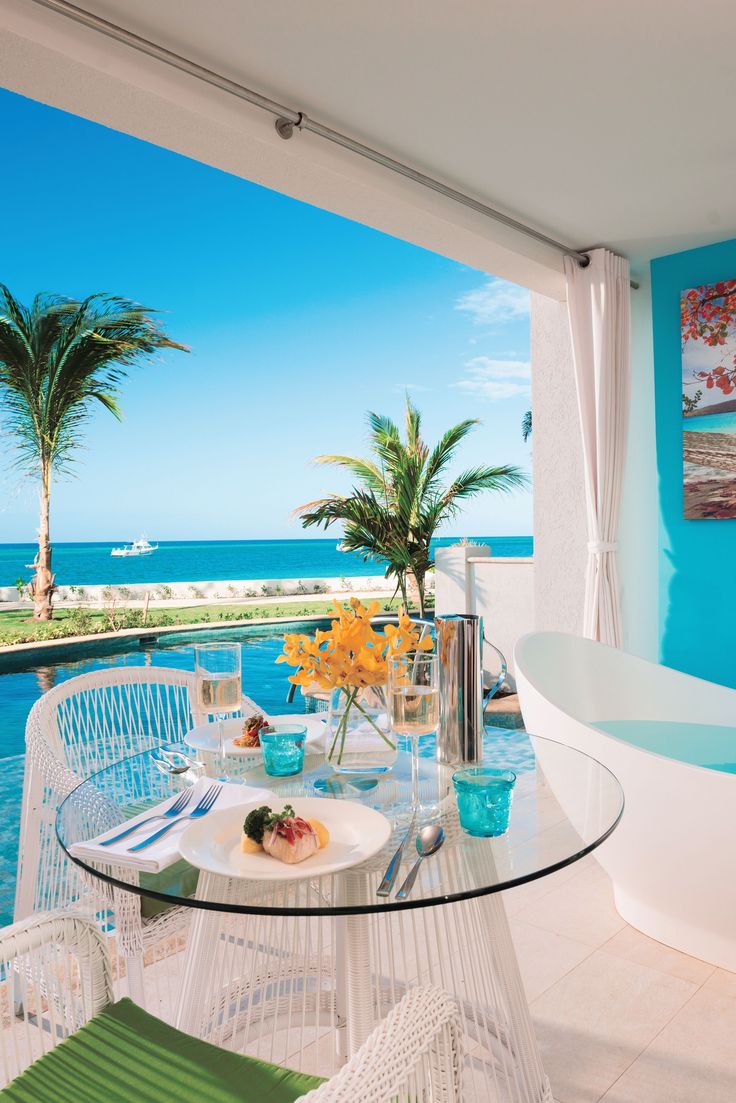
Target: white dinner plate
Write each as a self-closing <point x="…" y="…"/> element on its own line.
<point x="206" y="736"/>
<point x="356" y="833"/>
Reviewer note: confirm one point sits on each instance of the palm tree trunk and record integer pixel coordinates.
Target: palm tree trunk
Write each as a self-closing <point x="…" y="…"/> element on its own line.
<point x="42" y="587"/>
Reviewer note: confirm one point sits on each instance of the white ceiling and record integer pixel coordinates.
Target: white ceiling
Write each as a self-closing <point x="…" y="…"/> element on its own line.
<point x="598" y="123"/>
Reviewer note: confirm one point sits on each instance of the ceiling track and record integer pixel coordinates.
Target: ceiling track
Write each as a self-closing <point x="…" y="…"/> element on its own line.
<point x="289" y="120"/>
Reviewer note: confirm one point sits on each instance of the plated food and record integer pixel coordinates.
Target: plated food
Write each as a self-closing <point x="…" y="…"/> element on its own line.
<point x="251" y="734"/>
<point x="347" y="832"/>
<point x="284" y="835"/>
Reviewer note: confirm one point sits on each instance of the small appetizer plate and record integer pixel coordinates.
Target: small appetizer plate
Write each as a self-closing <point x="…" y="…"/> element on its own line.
<point x="356" y="834"/>
<point x="206" y="736"/>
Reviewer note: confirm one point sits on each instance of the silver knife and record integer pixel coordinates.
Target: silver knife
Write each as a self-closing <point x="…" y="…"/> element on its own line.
<point x="384" y="889"/>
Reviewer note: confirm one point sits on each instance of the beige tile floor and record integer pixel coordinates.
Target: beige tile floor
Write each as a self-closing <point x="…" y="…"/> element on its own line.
<point x="619" y="1017"/>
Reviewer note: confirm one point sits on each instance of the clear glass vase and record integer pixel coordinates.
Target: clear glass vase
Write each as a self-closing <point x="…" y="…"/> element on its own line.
<point x="359" y="737"/>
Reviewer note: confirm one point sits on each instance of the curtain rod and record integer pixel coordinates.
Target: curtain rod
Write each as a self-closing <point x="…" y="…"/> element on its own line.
<point x="288" y="120"/>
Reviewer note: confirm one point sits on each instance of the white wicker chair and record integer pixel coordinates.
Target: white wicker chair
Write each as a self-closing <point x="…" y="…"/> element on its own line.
<point x="60" y="960"/>
<point x="74" y="730"/>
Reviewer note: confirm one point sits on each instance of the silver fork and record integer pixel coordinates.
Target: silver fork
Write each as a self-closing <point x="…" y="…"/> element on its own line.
<point x="173" y="810"/>
<point x="201" y="810"/>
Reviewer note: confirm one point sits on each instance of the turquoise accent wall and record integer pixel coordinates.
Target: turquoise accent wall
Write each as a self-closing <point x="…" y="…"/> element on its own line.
<point x="697" y="559"/>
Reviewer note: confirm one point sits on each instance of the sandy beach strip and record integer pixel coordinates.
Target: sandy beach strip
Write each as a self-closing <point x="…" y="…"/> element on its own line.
<point x="710" y="450"/>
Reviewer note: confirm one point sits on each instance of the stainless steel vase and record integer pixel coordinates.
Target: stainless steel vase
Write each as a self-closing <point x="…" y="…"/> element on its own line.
<point x="459" y="643"/>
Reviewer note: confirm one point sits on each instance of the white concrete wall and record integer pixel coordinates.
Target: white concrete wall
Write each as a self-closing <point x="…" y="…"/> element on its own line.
<point x="226" y="590"/>
<point x="560" y="529"/>
<point x="452" y="577"/>
<point x="501" y="590"/>
<point x="638" y="535"/>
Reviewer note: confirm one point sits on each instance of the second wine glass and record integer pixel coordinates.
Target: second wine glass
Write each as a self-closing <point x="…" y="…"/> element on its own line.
<point x="219" y="689"/>
<point x="414" y="704"/>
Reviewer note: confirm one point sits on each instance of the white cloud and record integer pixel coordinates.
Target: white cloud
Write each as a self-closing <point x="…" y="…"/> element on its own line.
<point x="495" y="302"/>
<point x="496" y="379"/>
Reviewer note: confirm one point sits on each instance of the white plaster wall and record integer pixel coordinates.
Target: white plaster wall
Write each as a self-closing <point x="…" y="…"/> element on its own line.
<point x="502" y="592"/>
<point x="452" y="577"/>
<point x="228" y="589"/>
<point x="638" y="528"/>
<point x="560" y="529"/>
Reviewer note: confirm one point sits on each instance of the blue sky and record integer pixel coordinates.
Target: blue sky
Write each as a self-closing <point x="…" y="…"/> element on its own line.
<point x="298" y="321"/>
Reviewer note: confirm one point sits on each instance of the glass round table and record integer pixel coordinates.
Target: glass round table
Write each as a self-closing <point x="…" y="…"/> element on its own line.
<point x="303" y="969"/>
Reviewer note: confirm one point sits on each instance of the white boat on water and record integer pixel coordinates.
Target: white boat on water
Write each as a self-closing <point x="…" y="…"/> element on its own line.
<point x="140" y="546"/>
<point x="340" y="547"/>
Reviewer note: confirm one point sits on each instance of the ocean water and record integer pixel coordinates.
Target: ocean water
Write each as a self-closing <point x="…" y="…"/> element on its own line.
<point x="710" y="423"/>
<point x="195" y="561"/>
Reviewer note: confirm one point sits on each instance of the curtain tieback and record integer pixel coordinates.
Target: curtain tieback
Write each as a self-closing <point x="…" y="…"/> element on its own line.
<point x="599" y="547"/>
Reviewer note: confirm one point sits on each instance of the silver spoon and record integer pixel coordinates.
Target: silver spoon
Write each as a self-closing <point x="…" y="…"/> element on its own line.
<point x="429" y="840"/>
<point x="170" y="762"/>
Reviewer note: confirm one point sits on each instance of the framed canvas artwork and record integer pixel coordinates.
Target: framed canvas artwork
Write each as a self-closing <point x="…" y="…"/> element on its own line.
<point x="708" y="332"/>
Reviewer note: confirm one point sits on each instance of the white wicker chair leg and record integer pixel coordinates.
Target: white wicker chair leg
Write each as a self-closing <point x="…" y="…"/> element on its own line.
<point x="61" y="967"/>
<point x="415" y="1053"/>
<point x="74" y="730"/>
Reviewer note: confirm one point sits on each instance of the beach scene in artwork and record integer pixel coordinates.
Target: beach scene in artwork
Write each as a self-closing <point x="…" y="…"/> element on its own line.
<point x="708" y="331"/>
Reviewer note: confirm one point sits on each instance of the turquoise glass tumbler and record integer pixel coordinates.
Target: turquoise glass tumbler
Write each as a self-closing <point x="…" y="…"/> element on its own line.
<point x="484" y="799"/>
<point x="283" y="749"/>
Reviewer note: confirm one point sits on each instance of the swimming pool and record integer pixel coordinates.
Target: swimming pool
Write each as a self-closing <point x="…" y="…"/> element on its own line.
<point x="25" y="676"/>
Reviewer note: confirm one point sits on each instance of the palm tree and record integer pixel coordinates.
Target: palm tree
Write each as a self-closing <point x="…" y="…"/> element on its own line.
<point x="402" y="496"/>
<point x="526" y="426"/>
<point x="58" y="358"/>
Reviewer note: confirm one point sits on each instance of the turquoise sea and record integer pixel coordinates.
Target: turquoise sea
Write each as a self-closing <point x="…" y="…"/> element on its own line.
<point x="710" y="423"/>
<point x="199" y="561"/>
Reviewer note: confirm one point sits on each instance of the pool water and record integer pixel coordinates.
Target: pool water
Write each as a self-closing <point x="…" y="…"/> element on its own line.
<point x="25" y="676"/>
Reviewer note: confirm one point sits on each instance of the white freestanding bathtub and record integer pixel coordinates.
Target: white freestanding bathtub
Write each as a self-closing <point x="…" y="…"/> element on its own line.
<point x="671" y="741"/>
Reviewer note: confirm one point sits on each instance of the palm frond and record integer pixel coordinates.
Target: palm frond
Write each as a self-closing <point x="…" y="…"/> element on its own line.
<point x="58" y="359"/>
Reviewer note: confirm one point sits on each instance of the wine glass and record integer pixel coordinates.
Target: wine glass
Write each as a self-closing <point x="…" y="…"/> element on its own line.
<point x="414" y="704"/>
<point x="219" y="692"/>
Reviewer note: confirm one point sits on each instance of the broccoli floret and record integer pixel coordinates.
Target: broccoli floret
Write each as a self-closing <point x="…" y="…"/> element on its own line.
<point x="255" y="823"/>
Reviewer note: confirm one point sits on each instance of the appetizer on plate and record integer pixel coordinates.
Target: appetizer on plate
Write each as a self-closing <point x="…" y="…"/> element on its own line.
<point x="252" y="729"/>
<point x="283" y="835"/>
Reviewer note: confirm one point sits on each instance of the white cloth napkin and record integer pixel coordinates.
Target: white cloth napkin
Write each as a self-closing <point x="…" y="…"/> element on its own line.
<point x="165" y="851"/>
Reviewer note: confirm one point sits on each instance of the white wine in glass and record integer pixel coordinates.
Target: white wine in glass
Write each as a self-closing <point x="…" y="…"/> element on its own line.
<point x="219" y="690"/>
<point x="415" y="710"/>
<point x="414" y="704"/>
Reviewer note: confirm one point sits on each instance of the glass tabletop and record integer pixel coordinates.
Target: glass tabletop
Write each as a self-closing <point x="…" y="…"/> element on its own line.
<point x="564" y="805"/>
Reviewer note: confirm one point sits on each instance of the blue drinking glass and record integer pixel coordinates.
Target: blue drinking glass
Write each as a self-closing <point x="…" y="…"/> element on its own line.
<point x="283" y="749"/>
<point x="484" y="799"/>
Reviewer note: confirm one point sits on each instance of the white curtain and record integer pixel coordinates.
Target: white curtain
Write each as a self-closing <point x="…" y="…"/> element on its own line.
<point x="598" y="306"/>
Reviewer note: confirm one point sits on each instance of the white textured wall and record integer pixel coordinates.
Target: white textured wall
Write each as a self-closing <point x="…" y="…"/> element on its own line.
<point x="638" y="534"/>
<point x="452" y="580"/>
<point x="560" y="530"/>
<point x="502" y="592"/>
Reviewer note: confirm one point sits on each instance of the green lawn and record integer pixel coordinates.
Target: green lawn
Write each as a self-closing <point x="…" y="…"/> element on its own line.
<point x="17" y="627"/>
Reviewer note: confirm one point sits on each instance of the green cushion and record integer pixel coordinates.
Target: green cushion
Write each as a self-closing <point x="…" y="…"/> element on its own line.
<point x="177" y="880"/>
<point x="125" y="1055"/>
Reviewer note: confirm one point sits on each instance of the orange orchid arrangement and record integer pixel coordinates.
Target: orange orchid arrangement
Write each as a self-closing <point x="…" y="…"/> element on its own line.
<point x="351" y="656"/>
